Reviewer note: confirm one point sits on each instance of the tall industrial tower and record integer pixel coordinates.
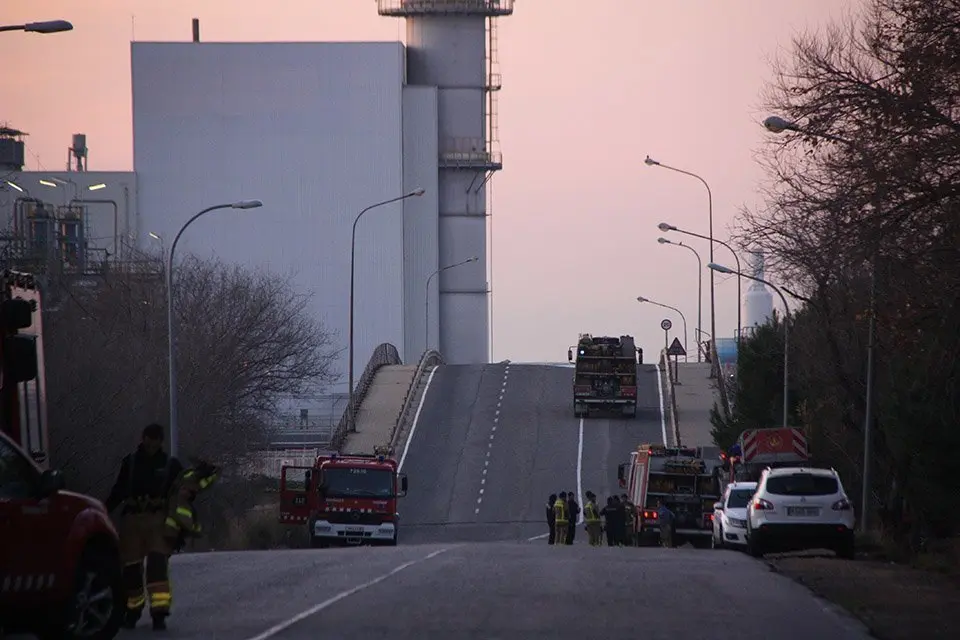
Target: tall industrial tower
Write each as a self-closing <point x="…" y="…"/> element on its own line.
<point x="452" y="45"/>
<point x="758" y="300"/>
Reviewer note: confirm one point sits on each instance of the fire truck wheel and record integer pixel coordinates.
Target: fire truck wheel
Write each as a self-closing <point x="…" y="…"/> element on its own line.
<point x="96" y="606"/>
<point x="318" y="543"/>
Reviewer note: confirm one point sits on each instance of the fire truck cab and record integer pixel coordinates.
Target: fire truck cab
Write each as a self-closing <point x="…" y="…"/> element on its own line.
<point x="345" y="499"/>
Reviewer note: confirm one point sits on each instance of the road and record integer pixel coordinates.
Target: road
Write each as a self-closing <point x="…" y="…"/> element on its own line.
<point x="493" y="441"/>
<point x="499" y="590"/>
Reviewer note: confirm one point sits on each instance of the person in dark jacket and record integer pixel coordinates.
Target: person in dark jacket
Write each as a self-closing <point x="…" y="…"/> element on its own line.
<point x="551" y="518"/>
<point x="143" y="489"/>
<point x="573" y="509"/>
<point x="609" y="514"/>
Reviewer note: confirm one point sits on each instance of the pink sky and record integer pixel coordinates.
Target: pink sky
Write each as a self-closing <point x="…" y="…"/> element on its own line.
<point x="589" y="89"/>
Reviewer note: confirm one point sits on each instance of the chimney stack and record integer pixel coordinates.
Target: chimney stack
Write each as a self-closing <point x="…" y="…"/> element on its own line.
<point x="196" y="29"/>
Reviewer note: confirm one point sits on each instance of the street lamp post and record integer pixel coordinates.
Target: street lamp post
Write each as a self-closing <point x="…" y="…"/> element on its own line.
<point x="713" y="306"/>
<point x="426" y="306"/>
<point x="351" y="410"/>
<point x="49" y="26"/>
<point x="663" y="226"/>
<point x="174" y="431"/>
<point x="776" y="124"/>
<point x="786" y="332"/>
<point x="699" y="290"/>
<point x="683" y="318"/>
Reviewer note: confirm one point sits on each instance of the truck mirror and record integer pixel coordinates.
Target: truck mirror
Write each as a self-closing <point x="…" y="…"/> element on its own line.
<point x="569" y="355"/>
<point x="20" y="361"/>
<point x="51" y="481"/>
<point x="306" y="479"/>
<point x="718" y="506"/>
<point x="403" y="485"/>
<point x="16" y="314"/>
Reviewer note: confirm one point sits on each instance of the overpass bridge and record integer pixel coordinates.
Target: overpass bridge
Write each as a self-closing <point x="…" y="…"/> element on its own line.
<point x="483" y="446"/>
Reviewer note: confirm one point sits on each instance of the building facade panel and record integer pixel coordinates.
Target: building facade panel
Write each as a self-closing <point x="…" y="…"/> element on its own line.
<point x="314" y="130"/>
<point x="420" y="230"/>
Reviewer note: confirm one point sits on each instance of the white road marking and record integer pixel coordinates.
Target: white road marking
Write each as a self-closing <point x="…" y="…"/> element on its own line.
<point x="580" y="472"/>
<point x="286" y="624"/>
<point x="493" y="433"/>
<point x="539" y="537"/>
<point x="416" y="419"/>
<point x="663" y="418"/>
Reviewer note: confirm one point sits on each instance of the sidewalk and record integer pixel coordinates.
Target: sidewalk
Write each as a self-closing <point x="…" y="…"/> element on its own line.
<point x="696" y="396"/>
<point x="380" y="408"/>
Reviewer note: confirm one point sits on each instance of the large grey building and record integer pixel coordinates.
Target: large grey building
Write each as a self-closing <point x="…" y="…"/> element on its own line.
<point x="319" y="131"/>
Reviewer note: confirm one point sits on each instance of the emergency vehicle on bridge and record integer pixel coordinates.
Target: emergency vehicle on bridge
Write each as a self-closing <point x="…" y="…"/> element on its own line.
<point x="60" y="571"/>
<point x="348" y="499"/>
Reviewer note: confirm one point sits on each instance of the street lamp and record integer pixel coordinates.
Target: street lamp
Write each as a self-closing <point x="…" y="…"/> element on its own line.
<point x="426" y="315"/>
<point x="353" y="252"/>
<point x="641" y="299"/>
<point x="49" y="26"/>
<point x="713" y="306"/>
<point x="663" y="226"/>
<point x="776" y="124"/>
<point x="786" y="330"/>
<point x="699" y="288"/>
<point x="174" y="432"/>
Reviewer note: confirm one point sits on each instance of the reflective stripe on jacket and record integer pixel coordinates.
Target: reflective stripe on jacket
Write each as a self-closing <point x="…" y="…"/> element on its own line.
<point x="590" y="513"/>
<point x="560" y="511"/>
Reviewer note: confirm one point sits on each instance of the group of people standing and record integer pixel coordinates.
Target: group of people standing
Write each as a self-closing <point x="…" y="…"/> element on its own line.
<point x="616" y="519"/>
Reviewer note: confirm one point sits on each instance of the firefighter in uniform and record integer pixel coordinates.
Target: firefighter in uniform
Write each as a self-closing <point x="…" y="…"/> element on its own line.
<point x="560" y="521"/>
<point x="592" y="517"/>
<point x="630" y="521"/>
<point x="182" y="522"/>
<point x="143" y="488"/>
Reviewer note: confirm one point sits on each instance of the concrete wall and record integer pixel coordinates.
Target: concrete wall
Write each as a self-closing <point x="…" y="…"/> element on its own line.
<point x="315" y="131"/>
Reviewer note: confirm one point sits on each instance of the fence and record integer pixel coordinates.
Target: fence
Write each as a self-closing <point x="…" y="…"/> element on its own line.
<point x="671" y="397"/>
<point x="428" y="360"/>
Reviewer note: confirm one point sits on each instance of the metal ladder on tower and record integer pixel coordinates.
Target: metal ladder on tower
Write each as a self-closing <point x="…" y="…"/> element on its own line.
<point x="494" y="85"/>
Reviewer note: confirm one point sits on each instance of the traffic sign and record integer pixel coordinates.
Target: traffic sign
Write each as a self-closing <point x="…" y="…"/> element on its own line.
<point x="665" y="324"/>
<point x="676" y="349"/>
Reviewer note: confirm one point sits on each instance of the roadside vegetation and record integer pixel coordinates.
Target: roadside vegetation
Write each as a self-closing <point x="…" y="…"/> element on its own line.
<point x="244" y="339"/>
<point x="881" y="206"/>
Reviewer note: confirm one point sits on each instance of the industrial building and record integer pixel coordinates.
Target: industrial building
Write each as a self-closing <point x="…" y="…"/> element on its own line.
<point x="318" y="132"/>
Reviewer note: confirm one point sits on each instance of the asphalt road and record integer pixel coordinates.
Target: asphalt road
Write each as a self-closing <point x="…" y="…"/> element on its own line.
<point x="493" y="441"/>
<point x="498" y="590"/>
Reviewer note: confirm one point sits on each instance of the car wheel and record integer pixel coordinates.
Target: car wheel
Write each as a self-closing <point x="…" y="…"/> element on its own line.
<point x="847" y="549"/>
<point x="716" y="543"/>
<point x="96" y="607"/>
<point x="753" y="547"/>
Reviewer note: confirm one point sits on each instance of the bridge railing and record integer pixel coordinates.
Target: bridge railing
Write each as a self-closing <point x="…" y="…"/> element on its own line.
<point x="430" y="358"/>
<point x="385" y="354"/>
<point x="671" y="397"/>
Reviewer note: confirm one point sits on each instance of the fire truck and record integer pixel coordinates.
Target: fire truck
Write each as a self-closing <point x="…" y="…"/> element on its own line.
<point x="684" y="479"/>
<point x="348" y="499"/>
<point x="60" y="570"/>
<point x="605" y="375"/>
<point x="757" y="449"/>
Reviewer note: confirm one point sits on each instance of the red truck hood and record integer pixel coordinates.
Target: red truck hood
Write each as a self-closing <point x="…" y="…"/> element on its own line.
<point x="81" y="501"/>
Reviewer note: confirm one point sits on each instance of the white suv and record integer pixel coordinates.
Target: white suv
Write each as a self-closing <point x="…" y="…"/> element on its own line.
<point x="798" y="508"/>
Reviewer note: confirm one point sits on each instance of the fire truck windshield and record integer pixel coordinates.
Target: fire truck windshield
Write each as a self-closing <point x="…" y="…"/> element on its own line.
<point x="358" y="482"/>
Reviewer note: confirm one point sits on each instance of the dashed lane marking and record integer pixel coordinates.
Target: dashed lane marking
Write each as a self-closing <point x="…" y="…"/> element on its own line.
<point x="493" y="433"/>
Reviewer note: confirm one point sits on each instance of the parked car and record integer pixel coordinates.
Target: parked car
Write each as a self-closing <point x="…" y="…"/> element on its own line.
<point x="730" y="515"/>
<point x="60" y="570"/>
<point x="799" y="508"/>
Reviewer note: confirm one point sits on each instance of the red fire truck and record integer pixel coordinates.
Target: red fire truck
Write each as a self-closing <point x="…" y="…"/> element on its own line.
<point x="348" y="499"/>
<point x="757" y="449"/>
<point x="60" y="571"/>
<point x="683" y="479"/>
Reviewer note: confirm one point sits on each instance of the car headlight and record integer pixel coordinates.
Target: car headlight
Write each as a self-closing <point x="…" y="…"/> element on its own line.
<point x="736" y="522"/>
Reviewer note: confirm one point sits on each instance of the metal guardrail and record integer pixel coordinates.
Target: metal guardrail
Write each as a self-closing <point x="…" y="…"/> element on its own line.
<point x="717" y="370"/>
<point x="671" y="396"/>
<point x="385" y="354"/>
<point x="430" y="358"/>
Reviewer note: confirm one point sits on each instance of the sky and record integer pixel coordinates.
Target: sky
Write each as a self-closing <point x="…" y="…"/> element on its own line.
<point x="589" y="90"/>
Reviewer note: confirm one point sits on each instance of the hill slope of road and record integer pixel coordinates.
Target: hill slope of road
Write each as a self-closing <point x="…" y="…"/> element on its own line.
<point x="491" y="442"/>
<point x="500" y="590"/>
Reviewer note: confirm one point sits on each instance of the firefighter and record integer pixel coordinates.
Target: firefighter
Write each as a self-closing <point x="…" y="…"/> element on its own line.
<point x="182" y="522"/>
<point x="143" y="487"/>
<point x="551" y="518"/>
<point x="629" y="520"/>
<point x="591" y="516"/>
<point x="573" y="510"/>
<point x="560" y="520"/>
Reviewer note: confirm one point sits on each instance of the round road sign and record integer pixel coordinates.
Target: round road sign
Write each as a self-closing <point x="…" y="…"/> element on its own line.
<point x="665" y="324"/>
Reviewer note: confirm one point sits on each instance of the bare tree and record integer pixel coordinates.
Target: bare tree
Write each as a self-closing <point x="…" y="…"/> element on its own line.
<point x="245" y="338"/>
